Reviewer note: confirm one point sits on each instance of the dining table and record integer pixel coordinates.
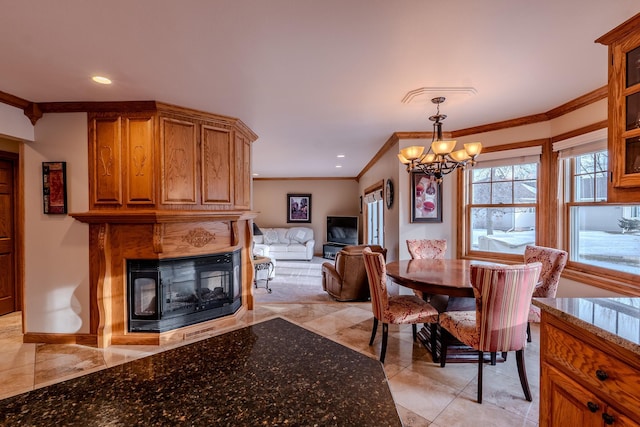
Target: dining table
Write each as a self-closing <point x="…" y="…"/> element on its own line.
<point x="446" y="285"/>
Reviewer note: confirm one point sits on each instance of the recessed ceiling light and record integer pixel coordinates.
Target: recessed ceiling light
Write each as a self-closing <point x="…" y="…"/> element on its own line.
<point x="256" y="174"/>
<point x="102" y="80"/>
<point x="340" y="156"/>
<point x="338" y="166"/>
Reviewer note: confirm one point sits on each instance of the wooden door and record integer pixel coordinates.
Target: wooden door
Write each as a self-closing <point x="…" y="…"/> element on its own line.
<point x="8" y="288"/>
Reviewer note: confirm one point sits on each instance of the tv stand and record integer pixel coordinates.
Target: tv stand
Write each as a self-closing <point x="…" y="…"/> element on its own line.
<point x="329" y="250"/>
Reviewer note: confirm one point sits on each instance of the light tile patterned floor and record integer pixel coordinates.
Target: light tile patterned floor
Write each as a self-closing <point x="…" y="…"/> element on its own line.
<point x="425" y="394"/>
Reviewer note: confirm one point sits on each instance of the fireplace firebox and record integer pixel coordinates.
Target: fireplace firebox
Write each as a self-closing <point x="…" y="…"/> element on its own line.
<point x="166" y="294"/>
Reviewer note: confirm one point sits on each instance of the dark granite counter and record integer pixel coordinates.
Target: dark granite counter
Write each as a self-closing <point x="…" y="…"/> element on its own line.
<point x="616" y="320"/>
<point x="271" y="373"/>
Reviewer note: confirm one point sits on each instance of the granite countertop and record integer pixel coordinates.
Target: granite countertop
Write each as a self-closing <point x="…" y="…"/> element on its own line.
<point x="270" y="373"/>
<point x="616" y="320"/>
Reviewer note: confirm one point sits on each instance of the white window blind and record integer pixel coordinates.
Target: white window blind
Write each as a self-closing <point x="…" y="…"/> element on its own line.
<point x="582" y="144"/>
<point x="374" y="196"/>
<point x="510" y="157"/>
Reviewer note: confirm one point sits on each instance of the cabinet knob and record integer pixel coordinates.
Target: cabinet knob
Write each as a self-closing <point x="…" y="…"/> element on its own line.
<point x="608" y="419"/>
<point x="593" y="407"/>
<point x="601" y="375"/>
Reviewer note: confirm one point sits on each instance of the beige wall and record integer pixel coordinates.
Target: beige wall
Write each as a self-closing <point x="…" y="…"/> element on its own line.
<point x="57" y="246"/>
<point x="328" y="197"/>
<point x="387" y="168"/>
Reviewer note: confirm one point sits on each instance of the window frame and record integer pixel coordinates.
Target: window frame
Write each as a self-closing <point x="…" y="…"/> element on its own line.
<point x="464" y="249"/>
<point x="552" y="214"/>
<point x="604" y="278"/>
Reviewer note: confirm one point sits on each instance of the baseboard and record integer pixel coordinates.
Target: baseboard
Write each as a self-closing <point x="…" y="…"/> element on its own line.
<point x="47" y="338"/>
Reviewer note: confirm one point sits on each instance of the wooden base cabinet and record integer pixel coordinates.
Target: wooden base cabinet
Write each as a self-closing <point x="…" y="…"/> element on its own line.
<point x="584" y="380"/>
<point x="569" y="404"/>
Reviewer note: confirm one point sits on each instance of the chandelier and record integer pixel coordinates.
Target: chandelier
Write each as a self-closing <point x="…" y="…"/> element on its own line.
<point x="440" y="159"/>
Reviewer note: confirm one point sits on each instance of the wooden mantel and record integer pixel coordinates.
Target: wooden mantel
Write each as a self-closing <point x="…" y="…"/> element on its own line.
<point x="116" y="236"/>
<point x="158" y="217"/>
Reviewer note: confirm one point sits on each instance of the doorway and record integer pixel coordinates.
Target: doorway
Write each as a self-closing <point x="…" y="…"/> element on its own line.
<point x="10" y="298"/>
<point x="374" y="216"/>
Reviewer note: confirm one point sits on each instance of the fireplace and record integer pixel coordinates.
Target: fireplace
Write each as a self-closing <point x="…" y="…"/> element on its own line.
<point x="165" y="294"/>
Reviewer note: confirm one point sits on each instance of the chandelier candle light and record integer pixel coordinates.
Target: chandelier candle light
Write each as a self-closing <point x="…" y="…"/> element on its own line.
<point x="440" y="159"/>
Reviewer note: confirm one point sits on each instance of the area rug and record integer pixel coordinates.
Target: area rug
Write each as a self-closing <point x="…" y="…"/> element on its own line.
<point x="272" y="373"/>
<point x="294" y="282"/>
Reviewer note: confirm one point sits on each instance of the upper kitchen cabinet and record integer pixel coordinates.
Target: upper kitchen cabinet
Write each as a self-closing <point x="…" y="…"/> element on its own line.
<point x="624" y="110"/>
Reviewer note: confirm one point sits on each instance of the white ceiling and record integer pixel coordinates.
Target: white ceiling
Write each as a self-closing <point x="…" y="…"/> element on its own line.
<point x="313" y="79"/>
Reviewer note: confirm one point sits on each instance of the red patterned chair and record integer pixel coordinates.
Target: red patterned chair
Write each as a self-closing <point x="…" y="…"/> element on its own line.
<point x="553" y="262"/>
<point x="427" y="249"/>
<point x="395" y="309"/>
<point x="499" y="323"/>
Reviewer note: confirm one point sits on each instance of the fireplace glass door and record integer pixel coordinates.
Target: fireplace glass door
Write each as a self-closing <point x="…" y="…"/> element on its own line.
<point x="171" y="293"/>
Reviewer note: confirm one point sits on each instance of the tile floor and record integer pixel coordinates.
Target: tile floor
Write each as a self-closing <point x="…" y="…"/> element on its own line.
<point x="424" y="393"/>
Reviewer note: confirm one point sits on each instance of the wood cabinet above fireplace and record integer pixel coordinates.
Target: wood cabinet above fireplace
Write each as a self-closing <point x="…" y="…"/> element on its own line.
<point x="158" y="156"/>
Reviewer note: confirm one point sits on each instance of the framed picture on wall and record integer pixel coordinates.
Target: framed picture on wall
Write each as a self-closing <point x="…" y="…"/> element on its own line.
<point x="426" y="198"/>
<point x="298" y="207"/>
<point x="54" y="187"/>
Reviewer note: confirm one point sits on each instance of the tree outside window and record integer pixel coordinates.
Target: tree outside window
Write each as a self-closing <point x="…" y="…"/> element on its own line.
<point x="503" y="201"/>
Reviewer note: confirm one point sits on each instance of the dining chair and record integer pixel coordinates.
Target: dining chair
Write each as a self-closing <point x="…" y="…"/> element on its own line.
<point x="427" y="248"/>
<point x="394" y="309"/>
<point x="499" y="322"/>
<point x="553" y="262"/>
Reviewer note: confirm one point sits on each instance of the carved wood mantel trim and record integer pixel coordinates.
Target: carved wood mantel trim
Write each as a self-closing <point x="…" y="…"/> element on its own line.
<point x="118" y="235"/>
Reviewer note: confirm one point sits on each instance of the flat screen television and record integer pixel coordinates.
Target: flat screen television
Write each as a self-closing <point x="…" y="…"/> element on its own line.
<point x="342" y="230"/>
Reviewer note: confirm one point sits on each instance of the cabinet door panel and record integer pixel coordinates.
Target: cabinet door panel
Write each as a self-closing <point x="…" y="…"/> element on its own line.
<point x="178" y="162"/>
<point x="216" y="165"/>
<point x="140" y="179"/>
<point x="242" y="172"/>
<point x="106" y="155"/>
<point x="565" y="403"/>
<point x="624" y="118"/>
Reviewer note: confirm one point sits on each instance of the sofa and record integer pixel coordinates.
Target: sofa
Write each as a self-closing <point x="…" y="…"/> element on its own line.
<point x="294" y="243"/>
<point x="347" y="279"/>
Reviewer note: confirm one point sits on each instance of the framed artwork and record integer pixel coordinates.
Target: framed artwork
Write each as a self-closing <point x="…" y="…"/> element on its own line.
<point x="298" y="207"/>
<point x="426" y="198"/>
<point x="54" y="187"/>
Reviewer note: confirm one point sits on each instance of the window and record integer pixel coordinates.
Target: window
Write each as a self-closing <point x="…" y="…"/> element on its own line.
<point x="589" y="177"/>
<point x="603" y="239"/>
<point x="502" y="201"/>
<point x="601" y="235"/>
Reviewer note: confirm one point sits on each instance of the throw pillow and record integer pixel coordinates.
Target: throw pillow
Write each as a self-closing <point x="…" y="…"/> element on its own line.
<point x="300" y="234"/>
<point x="270" y="236"/>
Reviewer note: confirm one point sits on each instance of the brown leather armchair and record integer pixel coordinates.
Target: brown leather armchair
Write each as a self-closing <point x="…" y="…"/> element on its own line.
<point x="347" y="279"/>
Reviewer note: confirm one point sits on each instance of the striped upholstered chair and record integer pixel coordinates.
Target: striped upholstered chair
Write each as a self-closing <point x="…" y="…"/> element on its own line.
<point x="499" y="323"/>
<point x="553" y="262"/>
<point x="395" y="309"/>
